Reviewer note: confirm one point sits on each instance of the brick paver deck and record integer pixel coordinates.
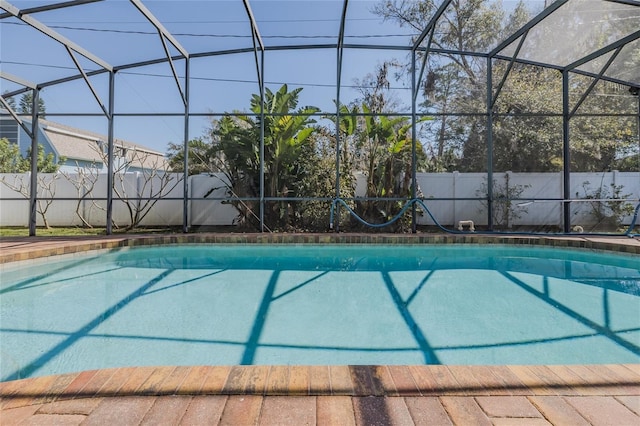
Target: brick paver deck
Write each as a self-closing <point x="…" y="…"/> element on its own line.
<point x="332" y="395"/>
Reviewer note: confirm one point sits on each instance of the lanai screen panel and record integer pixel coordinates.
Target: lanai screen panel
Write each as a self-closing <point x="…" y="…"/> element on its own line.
<point x="370" y="23"/>
<point x="205" y="26"/>
<point x="575" y="30"/>
<point x="289" y="23"/>
<point x="626" y="65"/>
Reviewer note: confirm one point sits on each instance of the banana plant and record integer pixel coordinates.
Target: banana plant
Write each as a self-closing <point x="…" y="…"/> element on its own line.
<point x="287" y="129"/>
<point x="382" y="144"/>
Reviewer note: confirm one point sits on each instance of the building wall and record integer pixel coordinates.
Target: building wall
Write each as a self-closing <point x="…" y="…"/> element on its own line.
<point x="15" y="133"/>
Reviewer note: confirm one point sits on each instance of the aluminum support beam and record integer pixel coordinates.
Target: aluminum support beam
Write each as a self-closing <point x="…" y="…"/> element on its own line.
<point x="414" y="180"/>
<point x="110" y="168"/>
<point x="86" y="80"/>
<point x="259" y="62"/>
<point x="304" y="47"/>
<point x="494" y="98"/>
<point x="53" y="34"/>
<point x="262" y="225"/>
<point x="626" y="2"/>
<point x="48" y="7"/>
<point x="5" y="104"/>
<point x="255" y="57"/>
<point x="176" y="79"/>
<point x="431" y="24"/>
<point x="532" y="23"/>
<point x="165" y="35"/>
<point x="489" y="145"/>
<point x="425" y="59"/>
<point x="254" y="25"/>
<point x="339" y="53"/>
<point x="12" y="78"/>
<point x="33" y="187"/>
<point x="161" y="29"/>
<point x="15" y="116"/>
<point x="185" y="175"/>
<point x="566" y="157"/>
<point x="638" y="127"/>
<point x="618" y="43"/>
<point x="594" y="82"/>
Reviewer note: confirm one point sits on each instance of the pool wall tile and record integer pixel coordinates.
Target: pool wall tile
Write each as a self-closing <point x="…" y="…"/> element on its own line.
<point x="25" y="248"/>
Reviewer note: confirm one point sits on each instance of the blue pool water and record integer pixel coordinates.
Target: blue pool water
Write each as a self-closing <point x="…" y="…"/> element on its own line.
<point x="314" y="304"/>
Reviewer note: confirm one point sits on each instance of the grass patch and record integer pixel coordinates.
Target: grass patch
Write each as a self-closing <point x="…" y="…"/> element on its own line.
<point x="80" y="232"/>
<point x="51" y="232"/>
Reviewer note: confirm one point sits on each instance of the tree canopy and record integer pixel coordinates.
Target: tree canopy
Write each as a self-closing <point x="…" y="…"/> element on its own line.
<point x="527" y="122"/>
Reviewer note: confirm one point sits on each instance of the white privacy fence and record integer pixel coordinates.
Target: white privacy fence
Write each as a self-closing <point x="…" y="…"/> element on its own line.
<point x="451" y="197"/>
<point x="538" y="194"/>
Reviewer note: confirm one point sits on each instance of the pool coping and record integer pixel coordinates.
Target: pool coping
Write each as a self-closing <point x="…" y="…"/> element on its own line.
<point x="293" y="395"/>
<point x="328" y="380"/>
<point x="15" y="249"/>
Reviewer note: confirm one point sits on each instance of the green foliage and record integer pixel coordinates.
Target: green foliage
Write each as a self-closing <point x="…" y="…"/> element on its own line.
<point x="11" y="160"/>
<point x="317" y="178"/>
<point x="608" y="208"/>
<point x="380" y="145"/>
<point x="527" y="123"/>
<point x="46" y="163"/>
<point x="10" y="101"/>
<point x="26" y="105"/>
<point x="505" y="211"/>
<point x="201" y="157"/>
<point x="287" y="133"/>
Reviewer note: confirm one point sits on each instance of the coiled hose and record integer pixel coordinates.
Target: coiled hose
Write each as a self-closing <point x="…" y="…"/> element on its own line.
<point x="628" y="232"/>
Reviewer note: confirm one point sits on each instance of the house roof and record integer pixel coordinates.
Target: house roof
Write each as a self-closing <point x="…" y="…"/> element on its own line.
<point x="83" y="145"/>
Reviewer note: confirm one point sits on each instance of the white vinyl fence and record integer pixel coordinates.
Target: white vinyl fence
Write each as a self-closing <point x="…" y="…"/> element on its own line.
<point x="449" y="196"/>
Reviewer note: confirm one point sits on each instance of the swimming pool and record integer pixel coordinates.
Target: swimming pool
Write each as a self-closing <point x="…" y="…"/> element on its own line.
<point x="319" y="304"/>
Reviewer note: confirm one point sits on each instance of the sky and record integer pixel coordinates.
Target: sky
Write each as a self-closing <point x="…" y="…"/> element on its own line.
<point x="116" y="32"/>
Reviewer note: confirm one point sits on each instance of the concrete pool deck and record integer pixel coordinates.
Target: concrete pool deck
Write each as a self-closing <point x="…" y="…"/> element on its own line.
<point x="340" y="395"/>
